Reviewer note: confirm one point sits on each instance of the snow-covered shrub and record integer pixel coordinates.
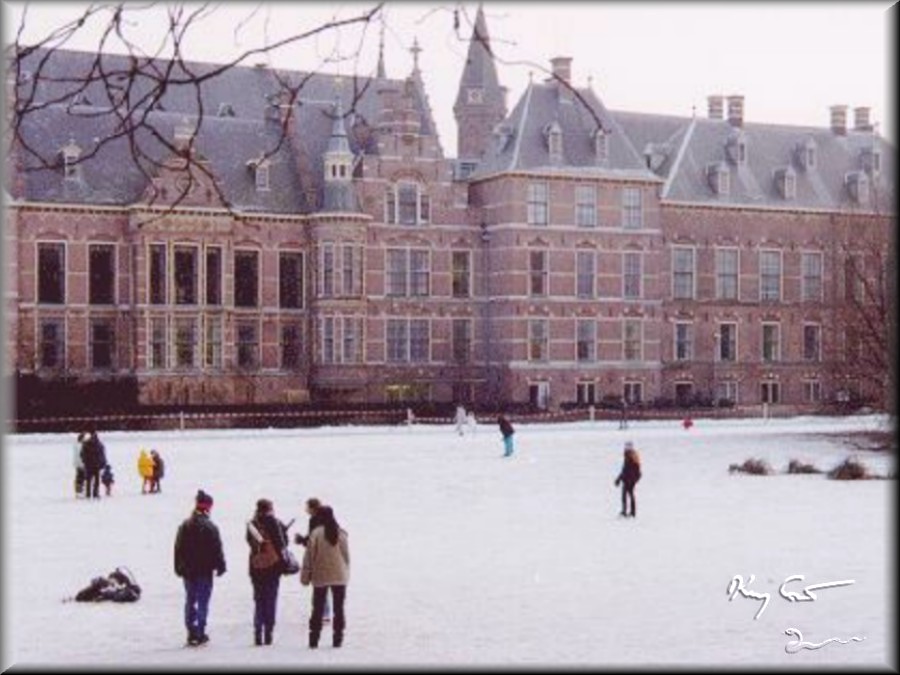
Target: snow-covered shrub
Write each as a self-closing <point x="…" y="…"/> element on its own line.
<point x="796" y="466"/>
<point x="754" y="466"/>
<point x="849" y="469"/>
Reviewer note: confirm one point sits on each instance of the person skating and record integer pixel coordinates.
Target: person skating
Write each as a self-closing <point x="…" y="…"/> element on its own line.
<point x="628" y="478"/>
<point x="145" y="471"/>
<point x="460" y="420"/>
<point x="266" y="538"/>
<point x="507" y="431"/>
<point x="198" y="553"/>
<point x="93" y="454"/>
<point x="326" y="565"/>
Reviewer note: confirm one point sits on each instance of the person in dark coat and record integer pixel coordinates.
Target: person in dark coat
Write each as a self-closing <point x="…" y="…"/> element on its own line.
<point x="628" y="477"/>
<point x="93" y="455"/>
<point x="159" y="470"/>
<point x="507" y="431"/>
<point x="198" y="553"/>
<point x="265" y="530"/>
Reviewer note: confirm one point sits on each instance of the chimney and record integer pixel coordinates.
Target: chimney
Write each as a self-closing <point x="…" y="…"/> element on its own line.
<point x="736" y="110"/>
<point x="861" y="119"/>
<point x="562" y="70"/>
<point x="839" y="119"/>
<point x="716" y="106"/>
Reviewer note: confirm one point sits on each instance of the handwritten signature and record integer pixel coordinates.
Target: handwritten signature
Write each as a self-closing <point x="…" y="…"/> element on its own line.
<point x="794" y="646"/>
<point x="736" y="585"/>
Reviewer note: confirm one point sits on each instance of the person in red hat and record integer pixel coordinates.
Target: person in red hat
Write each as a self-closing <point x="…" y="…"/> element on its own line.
<point x="198" y="553"/>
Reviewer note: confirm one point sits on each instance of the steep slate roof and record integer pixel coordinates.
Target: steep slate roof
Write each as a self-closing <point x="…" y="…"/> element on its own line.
<point x="480" y="70"/>
<point x="229" y="142"/>
<point x="525" y="147"/>
<point x="700" y="142"/>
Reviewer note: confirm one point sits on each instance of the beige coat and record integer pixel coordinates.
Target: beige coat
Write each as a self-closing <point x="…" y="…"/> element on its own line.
<point x="325" y="564"/>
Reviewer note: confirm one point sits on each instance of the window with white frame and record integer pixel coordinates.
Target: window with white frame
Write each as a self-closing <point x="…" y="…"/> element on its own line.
<point x="407" y="203"/>
<point x="159" y="344"/>
<point x="727" y="261"/>
<point x="327" y="350"/>
<point x="52" y="347"/>
<point x="352" y="272"/>
<point x="771" y="342"/>
<point x="601" y="146"/>
<point x="812" y="342"/>
<point x="246" y="278"/>
<point x="727" y="390"/>
<point x="326" y="274"/>
<point x="419" y="272"/>
<point x="538" y="273"/>
<point x="727" y="342"/>
<point x="51" y="276"/>
<point x="631" y="340"/>
<point x="812" y="277"/>
<point x="538" y="199"/>
<point x="682" y="273"/>
<point x="633" y="392"/>
<point x="585" y="273"/>
<point x="586" y="340"/>
<point x="351" y="339"/>
<point x="103" y="344"/>
<point x="632" y="208"/>
<point x="185" y="342"/>
<point x="586" y="392"/>
<point x="290" y="279"/>
<point x="770" y="275"/>
<point x="248" y="344"/>
<point x="213" y="276"/>
<point x="187" y="274"/>
<point x="396" y="272"/>
<point x="586" y="205"/>
<point x="290" y="345"/>
<point x="770" y="392"/>
<point x="631" y="275"/>
<point x="397" y="339"/>
<point x="538" y="340"/>
<point x="262" y="176"/>
<point x="101" y="274"/>
<point x="684" y="341"/>
<point x="408" y="272"/>
<point x="812" y="391"/>
<point x="213" y="342"/>
<point x="461" y="263"/>
<point x="462" y="340"/>
<point x="419" y="340"/>
<point x="158" y="274"/>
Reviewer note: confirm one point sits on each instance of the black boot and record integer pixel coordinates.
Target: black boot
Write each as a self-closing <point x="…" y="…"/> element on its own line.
<point x="257" y="638"/>
<point x="313" y="639"/>
<point x="337" y="639"/>
<point x="268" y="636"/>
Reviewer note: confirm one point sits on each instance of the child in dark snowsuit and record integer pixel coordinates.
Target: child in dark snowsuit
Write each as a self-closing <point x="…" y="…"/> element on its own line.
<point x="628" y="477"/>
<point x="107" y="479"/>
<point x="507" y="431"/>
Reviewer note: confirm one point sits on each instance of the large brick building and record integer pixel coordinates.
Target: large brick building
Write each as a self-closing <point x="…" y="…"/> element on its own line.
<point x="570" y="252"/>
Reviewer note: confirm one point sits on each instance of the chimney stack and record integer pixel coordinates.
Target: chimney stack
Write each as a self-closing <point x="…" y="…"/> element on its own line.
<point x="839" y="119"/>
<point x="562" y="75"/>
<point x="861" y="119"/>
<point x="736" y="110"/>
<point x="716" y="105"/>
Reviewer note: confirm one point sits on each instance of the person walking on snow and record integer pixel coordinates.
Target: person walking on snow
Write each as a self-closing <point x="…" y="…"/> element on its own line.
<point x="145" y="470"/>
<point x="460" y="420"/>
<point x="198" y="553"/>
<point x="313" y="510"/>
<point x="78" y="463"/>
<point x="93" y="454"/>
<point x="326" y="565"/>
<point x="628" y="477"/>
<point x="266" y="538"/>
<point x="507" y="431"/>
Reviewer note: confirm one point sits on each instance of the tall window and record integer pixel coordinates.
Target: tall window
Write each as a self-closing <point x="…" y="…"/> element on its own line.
<point x="812" y="342"/>
<point x="727" y="342"/>
<point x="633" y="392"/>
<point x="51" y="274"/>
<point x="538" y="198"/>
<point x="770" y="275"/>
<point x="586" y="206"/>
<point x="684" y="342"/>
<point x="290" y="280"/>
<point x="158" y="274"/>
<point x="327" y="270"/>
<point x="407" y="204"/>
<point x="213" y="342"/>
<point x="397" y="340"/>
<point x="419" y="272"/>
<point x="103" y="344"/>
<point x="586" y="393"/>
<point x="247" y="344"/>
<point x="462" y="340"/>
<point x="290" y="346"/>
<point x="419" y="340"/>
<point x="538" y="340"/>
<point x="396" y="271"/>
<point x="52" y="343"/>
<point x="585" y="274"/>
<point x="538" y="273"/>
<point x="727" y="390"/>
<point x="632" y="209"/>
<point x="408" y="272"/>
<point x="186" y="275"/>
<point x="408" y="340"/>
<point x="159" y="344"/>
<point x="351" y="264"/>
<point x="351" y="349"/>
<point x="771" y="342"/>
<point x="727" y="273"/>
<point x="586" y="340"/>
<point x="213" y="276"/>
<point x="185" y="342"/>
<point x="683" y="273"/>
<point x="101" y="274"/>
<point x="461" y="271"/>
<point x="812" y="277"/>
<point x="328" y="340"/>
<point x="812" y="391"/>
<point x="631" y="275"/>
<point x="632" y="340"/>
<point x="246" y="278"/>
<point x="770" y="392"/>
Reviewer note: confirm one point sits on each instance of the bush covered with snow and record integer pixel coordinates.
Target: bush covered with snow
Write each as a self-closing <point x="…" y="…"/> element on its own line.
<point x="796" y="466"/>
<point x="754" y="466"/>
<point x="850" y="469"/>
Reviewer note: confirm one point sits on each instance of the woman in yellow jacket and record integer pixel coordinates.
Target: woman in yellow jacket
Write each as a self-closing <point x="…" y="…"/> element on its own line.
<point x="145" y="469"/>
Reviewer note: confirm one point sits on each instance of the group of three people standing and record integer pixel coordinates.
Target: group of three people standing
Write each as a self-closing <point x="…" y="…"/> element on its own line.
<point x="326" y="565"/>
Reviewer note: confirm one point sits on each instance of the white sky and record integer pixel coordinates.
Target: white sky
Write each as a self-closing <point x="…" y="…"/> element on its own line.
<point x="791" y="61"/>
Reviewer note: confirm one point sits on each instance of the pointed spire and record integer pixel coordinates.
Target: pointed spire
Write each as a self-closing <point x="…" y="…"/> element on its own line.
<point x="415" y="50"/>
<point x="381" y="70"/>
<point x="480" y="71"/>
<point x="338" y="142"/>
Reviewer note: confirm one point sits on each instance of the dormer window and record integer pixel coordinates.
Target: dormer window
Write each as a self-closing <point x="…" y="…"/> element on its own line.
<point x="71" y="153"/>
<point x="786" y="182"/>
<point x="553" y="134"/>
<point x="858" y="187"/>
<point x="226" y="110"/>
<point x="719" y="178"/>
<point x="260" y="168"/>
<point x="601" y="146"/>
<point x="870" y="159"/>
<point x="736" y="147"/>
<point x="655" y="154"/>
<point x="806" y="154"/>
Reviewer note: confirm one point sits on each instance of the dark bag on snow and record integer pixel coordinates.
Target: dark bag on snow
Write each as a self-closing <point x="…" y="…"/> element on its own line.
<point x="118" y="586"/>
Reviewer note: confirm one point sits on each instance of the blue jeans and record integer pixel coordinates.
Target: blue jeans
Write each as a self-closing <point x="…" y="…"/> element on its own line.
<point x="265" y="599"/>
<point x="196" y="604"/>
<point x="507" y="446"/>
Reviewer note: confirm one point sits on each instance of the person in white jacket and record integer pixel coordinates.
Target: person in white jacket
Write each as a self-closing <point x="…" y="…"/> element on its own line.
<point x="326" y="565"/>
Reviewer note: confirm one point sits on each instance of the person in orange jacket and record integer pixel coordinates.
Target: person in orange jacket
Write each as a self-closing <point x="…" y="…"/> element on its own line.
<point x="145" y="469"/>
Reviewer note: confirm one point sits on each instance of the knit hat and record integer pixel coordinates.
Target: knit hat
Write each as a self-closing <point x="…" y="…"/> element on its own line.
<point x="203" y="500"/>
<point x="629" y="445"/>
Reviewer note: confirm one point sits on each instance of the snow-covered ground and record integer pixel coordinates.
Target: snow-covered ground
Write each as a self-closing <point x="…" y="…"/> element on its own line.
<point x="461" y="557"/>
